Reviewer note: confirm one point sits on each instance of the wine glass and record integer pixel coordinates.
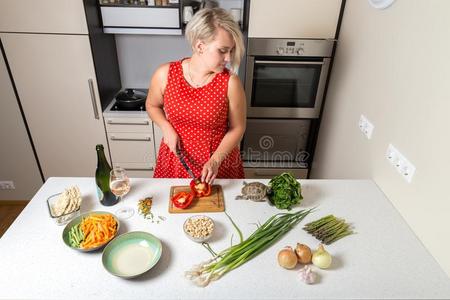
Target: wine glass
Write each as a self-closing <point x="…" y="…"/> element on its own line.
<point x="119" y="183"/>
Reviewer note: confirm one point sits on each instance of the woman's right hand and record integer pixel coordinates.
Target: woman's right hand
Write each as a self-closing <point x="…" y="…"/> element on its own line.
<point x="171" y="138"/>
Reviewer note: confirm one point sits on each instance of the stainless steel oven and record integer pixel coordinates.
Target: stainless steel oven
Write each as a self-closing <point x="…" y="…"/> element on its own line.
<point x="273" y="143"/>
<point x="285" y="78"/>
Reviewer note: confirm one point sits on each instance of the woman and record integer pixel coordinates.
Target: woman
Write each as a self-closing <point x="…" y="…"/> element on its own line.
<point x="199" y="104"/>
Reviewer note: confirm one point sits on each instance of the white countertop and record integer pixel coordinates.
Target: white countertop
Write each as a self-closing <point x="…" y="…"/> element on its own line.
<point x="383" y="260"/>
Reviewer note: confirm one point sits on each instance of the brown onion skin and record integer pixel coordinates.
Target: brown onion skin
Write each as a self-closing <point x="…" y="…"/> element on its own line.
<point x="287" y="251"/>
<point x="304" y="254"/>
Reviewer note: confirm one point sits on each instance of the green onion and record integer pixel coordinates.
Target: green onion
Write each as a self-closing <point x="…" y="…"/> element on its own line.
<point x="231" y="258"/>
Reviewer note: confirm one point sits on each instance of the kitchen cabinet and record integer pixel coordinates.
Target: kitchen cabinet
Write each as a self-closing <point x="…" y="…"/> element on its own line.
<point x="17" y="160"/>
<point x="56" y="85"/>
<point x="51" y="47"/>
<point x="158" y="137"/>
<point x="50" y="16"/>
<point x="131" y="144"/>
<point x="141" y="19"/>
<point x="294" y="18"/>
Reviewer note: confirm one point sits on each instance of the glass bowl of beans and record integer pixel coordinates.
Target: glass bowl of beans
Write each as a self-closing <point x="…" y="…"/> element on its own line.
<point x="198" y="228"/>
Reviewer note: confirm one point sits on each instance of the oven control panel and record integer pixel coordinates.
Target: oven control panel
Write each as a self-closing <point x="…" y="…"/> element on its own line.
<point x="290" y="47"/>
<point x="290" y="51"/>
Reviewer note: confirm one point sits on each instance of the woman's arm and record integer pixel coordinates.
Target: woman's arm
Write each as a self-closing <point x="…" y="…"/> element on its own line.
<point x="154" y="106"/>
<point x="236" y="117"/>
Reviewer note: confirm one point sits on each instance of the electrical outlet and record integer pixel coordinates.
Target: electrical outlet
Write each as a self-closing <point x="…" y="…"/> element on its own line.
<point x="401" y="163"/>
<point x="366" y="127"/>
<point x="7" y="185"/>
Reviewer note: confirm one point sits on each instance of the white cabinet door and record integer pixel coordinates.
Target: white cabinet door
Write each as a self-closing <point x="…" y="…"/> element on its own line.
<point x="47" y="16"/>
<point x="17" y="160"/>
<point x="158" y="138"/>
<point x="294" y="18"/>
<point x="51" y="73"/>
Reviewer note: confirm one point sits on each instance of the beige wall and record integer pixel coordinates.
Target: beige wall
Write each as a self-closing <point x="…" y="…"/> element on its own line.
<point x="393" y="66"/>
<point x="17" y="162"/>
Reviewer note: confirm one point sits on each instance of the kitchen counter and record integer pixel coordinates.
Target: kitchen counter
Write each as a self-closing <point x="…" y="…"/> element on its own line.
<point x="383" y="260"/>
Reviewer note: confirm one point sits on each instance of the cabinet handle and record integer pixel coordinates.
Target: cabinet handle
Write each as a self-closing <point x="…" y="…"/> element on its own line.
<point x="128" y="123"/>
<point x="288" y="62"/>
<point x="265" y="173"/>
<point x="113" y="138"/>
<point x="139" y="169"/>
<point x="94" y="103"/>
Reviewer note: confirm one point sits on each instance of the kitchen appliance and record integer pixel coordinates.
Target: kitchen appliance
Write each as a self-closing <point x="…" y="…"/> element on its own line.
<point x="286" y="78"/>
<point x="277" y="143"/>
<point x="130" y="100"/>
<point x="285" y="83"/>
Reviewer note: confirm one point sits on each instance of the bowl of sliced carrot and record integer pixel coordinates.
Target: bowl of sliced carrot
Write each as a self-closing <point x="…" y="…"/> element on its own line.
<point x="91" y="231"/>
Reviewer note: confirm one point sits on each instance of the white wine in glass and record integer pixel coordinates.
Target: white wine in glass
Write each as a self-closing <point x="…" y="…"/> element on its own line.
<point x="119" y="183"/>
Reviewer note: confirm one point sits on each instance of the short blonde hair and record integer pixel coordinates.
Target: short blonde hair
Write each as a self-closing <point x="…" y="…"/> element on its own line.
<point x="204" y="24"/>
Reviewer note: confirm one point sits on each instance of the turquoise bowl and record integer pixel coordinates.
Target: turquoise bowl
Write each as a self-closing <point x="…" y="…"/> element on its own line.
<point x="131" y="254"/>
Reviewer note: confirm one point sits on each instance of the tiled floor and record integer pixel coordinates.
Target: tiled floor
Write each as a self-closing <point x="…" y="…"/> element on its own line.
<point x="9" y="210"/>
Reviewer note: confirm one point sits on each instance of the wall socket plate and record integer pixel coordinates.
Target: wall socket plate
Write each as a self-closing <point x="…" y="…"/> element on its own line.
<point x="366" y="127"/>
<point x="7" y="185"/>
<point x="401" y="163"/>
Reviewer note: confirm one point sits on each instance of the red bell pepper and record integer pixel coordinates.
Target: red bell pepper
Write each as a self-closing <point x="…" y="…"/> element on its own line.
<point x="200" y="189"/>
<point x="182" y="199"/>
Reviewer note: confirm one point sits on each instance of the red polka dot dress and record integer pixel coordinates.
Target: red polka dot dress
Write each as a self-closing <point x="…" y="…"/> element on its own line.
<point x="200" y="117"/>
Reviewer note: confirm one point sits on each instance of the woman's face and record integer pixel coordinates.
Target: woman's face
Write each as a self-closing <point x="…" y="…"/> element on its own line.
<point x="217" y="53"/>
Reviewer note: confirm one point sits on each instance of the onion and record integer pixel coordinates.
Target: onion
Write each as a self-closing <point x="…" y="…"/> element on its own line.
<point x="287" y="258"/>
<point x="304" y="254"/>
<point x="321" y="258"/>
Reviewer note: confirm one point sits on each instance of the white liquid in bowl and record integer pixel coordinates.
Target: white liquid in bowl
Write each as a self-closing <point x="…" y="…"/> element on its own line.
<point x="133" y="259"/>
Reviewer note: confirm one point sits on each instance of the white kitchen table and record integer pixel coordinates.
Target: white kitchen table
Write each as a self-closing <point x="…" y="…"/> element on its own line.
<point x="383" y="260"/>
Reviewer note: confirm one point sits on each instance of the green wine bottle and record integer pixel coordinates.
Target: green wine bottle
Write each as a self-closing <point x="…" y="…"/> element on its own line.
<point x="102" y="179"/>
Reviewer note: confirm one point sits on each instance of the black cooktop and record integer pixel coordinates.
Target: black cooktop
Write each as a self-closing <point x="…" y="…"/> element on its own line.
<point x="129" y="100"/>
<point x="117" y="107"/>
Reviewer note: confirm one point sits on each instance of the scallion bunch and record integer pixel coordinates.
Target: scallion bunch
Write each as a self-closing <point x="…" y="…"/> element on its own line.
<point x="231" y="258"/>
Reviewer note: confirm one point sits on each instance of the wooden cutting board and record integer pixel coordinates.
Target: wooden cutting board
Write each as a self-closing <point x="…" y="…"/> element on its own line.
<point x="211" y="203"/>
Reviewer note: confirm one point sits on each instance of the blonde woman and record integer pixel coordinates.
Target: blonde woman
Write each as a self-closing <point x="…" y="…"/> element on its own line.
<point x="199" y="103"/>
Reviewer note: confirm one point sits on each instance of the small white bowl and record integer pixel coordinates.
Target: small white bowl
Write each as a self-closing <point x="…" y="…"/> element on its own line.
<point x="64" y="218"/>
<point x="194" y="221"/>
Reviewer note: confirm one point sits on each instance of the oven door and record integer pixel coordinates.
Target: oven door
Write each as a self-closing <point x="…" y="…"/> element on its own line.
<point x="285" y="89"/>
<point x="271" y="143"/>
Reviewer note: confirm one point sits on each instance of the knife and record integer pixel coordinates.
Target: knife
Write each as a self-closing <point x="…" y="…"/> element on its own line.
<point x="183" y="162"/>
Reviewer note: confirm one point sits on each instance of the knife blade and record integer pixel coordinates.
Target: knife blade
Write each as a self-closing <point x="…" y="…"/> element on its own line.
<point x="183" y="162"/>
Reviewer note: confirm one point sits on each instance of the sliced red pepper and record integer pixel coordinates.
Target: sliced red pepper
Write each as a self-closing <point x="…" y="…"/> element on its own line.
<point x="200" y="189"/>
<point x="182" y="199"/>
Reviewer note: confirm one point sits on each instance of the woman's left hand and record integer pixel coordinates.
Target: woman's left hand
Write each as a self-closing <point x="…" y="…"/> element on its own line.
<point x="210" y="170"/>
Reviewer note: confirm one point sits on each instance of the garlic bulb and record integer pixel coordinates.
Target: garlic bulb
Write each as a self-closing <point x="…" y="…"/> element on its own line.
<point x="307" y="275"/>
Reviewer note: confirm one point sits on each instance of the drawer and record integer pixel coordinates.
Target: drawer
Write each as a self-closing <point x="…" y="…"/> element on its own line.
<point x="131" y="147"/>
<point x="129" y="125"/>
<point x="268" y="173"/>
<point x="137" y="170"/>
<point x="141" y="17"/>
<point x="158" y="137"/>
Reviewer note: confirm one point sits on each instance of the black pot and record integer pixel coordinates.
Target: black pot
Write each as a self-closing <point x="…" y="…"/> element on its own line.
<point x="130" y="99"/>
